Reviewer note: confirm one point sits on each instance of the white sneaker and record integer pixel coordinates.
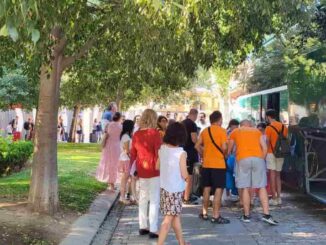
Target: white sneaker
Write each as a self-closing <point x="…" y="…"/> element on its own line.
<point x="279" y="201"/>
<point x="273" y="202"/>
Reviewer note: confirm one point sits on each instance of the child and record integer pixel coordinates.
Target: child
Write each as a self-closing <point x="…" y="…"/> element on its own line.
<point x="124" y="160"/>
<point x="173" y="174"/>
<point x="231" y="164"/>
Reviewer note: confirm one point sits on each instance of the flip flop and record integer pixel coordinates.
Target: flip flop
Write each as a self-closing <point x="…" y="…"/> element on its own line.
<point x="203" y="216"/>
<point x="220" y="220"/>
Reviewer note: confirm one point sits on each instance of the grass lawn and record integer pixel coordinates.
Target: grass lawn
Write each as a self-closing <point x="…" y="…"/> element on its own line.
<point x="77" y="186"/>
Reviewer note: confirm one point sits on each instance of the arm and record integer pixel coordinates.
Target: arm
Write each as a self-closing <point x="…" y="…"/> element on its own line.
<point x="230" y="146"/>
<point x="225" y="144"/>
<point x="194" y="137"/>
<point x="126" y="147"/>
<point x="199" y="146"/>
<point x="157" y="145"/>
<point x="183" y="165"/>
<point x="157" y="166"/>
<point x="263" y="146"/>
<point x="133" y="150"/>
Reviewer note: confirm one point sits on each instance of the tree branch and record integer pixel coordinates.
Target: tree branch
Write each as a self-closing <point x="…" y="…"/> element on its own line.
<point x="68" y="61"/>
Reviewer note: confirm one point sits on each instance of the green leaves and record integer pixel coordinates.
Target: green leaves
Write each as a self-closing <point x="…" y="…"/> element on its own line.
<point x="4" y="31"/>
<point x="35" y="35"/>
<point x="13" y="33"/>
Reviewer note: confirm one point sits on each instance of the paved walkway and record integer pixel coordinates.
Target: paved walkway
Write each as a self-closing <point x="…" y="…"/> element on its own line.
<point x="302" y="221"/>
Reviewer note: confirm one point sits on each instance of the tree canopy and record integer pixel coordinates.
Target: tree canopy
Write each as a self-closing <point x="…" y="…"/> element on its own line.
<point x="131" y="45"/>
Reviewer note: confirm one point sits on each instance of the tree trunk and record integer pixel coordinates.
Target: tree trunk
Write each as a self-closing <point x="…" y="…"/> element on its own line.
<point x="43" y="193"/>
<point x="72" y="132"/>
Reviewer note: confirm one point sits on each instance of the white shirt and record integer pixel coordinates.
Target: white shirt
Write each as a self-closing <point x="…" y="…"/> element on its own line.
<point x="202" y="126"/>
<point x="123" y="155"/>
<point x="9" y="129"/>
<point x="170" y="173"/>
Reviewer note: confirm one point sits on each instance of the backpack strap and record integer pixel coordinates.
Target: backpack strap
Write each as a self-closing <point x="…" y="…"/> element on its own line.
<point x="214" y="143"/>
<point x="278" y="134"/>
<point x="281" y="133"/>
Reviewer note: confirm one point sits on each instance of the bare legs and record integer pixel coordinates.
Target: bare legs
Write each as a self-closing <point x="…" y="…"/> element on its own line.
<point x="188" y="189"/>
<point x="276" y="184"/>
<point x="175" y="221"/>
<point x="124" y="180"/>
<point x="263" y="196"/>
<point x="216" y="201"/>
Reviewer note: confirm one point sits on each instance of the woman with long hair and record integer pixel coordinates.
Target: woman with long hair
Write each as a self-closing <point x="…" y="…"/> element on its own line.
<point x="124" y="160"/>
<point x="144" y="150"/>
<point x="162" y="124"/>
<point x="107" y="170"/>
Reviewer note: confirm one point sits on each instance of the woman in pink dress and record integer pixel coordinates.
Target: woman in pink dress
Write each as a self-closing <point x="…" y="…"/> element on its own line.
<point x="107" y="170"/>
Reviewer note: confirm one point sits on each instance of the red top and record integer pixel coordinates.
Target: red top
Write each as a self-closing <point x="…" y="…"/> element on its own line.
<point x="144" y="150"/>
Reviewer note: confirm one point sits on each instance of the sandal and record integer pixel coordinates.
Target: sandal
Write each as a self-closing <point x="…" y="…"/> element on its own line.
<point x="124" y="202"/>
<point x="220" y="220"/>
<point x="203" y="216"/>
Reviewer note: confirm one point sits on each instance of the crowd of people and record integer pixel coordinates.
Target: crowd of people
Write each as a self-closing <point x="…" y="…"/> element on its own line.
<point x="12" y="129"/>
<point x="161" y="154"/>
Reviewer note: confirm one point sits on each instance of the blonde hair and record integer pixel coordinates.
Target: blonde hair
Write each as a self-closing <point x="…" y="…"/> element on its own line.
<point x="148" y="119"/>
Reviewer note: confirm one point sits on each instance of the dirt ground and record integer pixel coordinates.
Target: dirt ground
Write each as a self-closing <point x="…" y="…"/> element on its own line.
<point x="18" y="226"/>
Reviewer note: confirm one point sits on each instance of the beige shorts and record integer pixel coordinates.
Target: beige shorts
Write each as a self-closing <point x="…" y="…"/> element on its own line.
<point x="274" y="163"/>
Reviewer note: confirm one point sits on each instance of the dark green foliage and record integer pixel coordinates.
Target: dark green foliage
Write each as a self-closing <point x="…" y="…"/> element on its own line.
<point x="13" y="155"/>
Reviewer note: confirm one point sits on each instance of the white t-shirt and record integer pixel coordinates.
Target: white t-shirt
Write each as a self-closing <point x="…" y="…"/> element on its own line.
<point x="202" y="126"/>
<point x="170" y="173"/>
<point x="123" y="155"/>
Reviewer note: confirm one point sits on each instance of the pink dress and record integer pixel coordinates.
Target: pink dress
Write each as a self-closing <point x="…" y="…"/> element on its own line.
<point x="107" y="170"/>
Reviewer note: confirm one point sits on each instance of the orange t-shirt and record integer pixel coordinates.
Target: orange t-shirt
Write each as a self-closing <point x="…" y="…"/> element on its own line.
<point x="212" y="157"/>
<point x="272" y="135"/>
<point x="247" y="141"/>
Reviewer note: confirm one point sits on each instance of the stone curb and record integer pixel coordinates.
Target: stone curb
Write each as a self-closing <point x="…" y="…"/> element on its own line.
<point x="85" y="228"/>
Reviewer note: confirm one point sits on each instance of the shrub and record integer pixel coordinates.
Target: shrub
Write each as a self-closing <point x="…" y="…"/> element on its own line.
<point x="13" y="155"/>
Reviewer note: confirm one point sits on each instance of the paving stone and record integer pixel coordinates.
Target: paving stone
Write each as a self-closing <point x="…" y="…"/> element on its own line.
<point x="299" y="224"/>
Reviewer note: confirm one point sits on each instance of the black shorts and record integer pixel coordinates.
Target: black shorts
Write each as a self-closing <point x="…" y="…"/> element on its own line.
<point x="213" y="177"/>
<point x="190" y="166"/>
<point x="192" y="158"/>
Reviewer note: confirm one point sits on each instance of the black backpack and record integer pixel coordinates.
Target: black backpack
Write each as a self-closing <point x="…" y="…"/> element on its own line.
<point x="282" y="147"/>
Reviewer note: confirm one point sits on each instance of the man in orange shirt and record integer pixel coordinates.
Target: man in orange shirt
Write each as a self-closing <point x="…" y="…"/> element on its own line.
<point x="274" y="164"/>
<point x="212" y="146"/>
<point x="251" y="150"/>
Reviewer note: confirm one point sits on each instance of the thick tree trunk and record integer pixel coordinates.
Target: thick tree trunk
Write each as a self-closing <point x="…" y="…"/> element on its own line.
<point x="43" y="193"/>
<point x="72" y="132"/>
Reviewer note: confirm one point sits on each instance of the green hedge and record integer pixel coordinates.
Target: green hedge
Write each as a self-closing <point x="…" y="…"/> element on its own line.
<point x="13" y="155"/>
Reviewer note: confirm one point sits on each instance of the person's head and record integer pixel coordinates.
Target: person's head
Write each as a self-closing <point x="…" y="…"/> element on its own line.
<point x="202" y="117"/>
<point x="116" y="117"/>
<point x="216" y="118"/>
<point x="136" y="119"/>
<point x="168" y="114"/>
<point x="29" y="119"/>
<point x="127" y="128"/>
<point x="148" y="119"/>
<point x="123" y="118"/>
<point x="171" y="121"/>
<point x="95" y="120"/>
<point x="245" y="123"/>
<point x="162" y="123"/>
<point x="175" y="134"/>
<point x="233" y="124"/>
<point x="271" y="115"/>
<point x="113" y="107"/>
<point x="193" y="114"/>
<point x="261" y="127"/>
